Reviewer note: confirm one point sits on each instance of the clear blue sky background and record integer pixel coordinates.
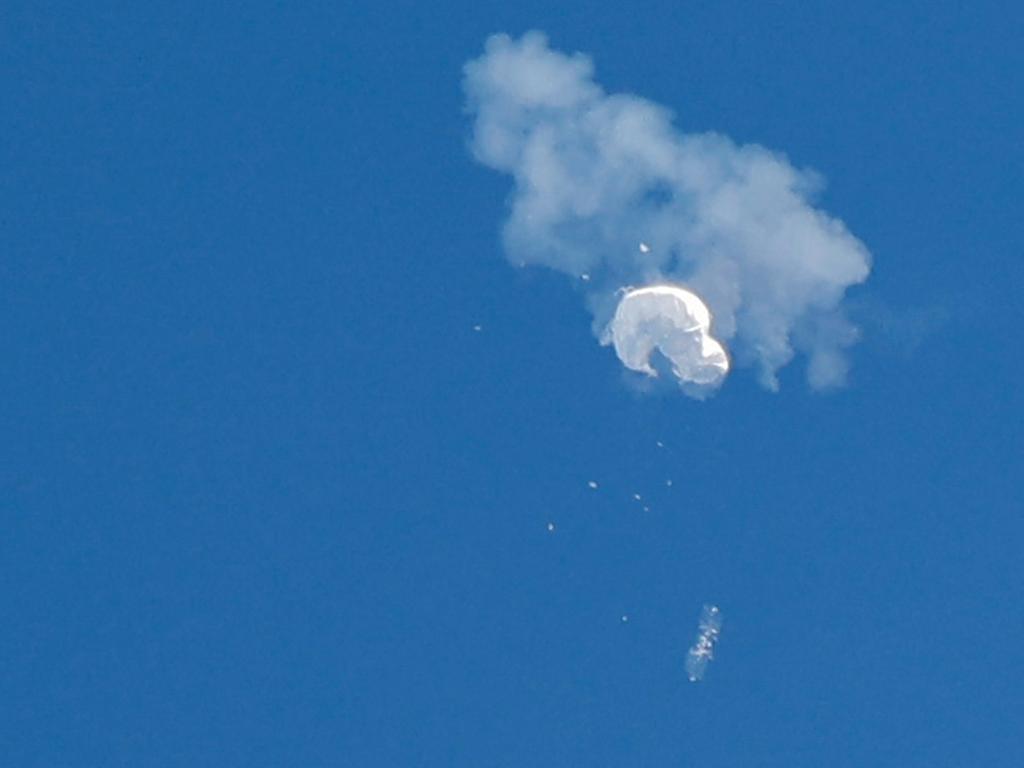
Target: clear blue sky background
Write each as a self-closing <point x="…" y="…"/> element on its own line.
<point x="268" y="500"/>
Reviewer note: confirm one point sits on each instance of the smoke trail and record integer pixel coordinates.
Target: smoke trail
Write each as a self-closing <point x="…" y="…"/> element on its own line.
<point x="597" y="173"/>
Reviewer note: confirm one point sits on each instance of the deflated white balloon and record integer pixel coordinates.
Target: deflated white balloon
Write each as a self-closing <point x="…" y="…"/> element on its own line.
<point x="675" y="322"/>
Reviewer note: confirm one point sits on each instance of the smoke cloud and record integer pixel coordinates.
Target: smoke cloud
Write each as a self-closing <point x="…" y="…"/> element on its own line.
<point x="595" y="174"/>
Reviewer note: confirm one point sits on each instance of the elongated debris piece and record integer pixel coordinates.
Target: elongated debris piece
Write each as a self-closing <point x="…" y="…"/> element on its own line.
<point x="703" y="649"/>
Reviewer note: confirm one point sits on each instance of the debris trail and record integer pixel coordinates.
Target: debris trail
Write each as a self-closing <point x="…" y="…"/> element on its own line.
<point x="703" y="649"/>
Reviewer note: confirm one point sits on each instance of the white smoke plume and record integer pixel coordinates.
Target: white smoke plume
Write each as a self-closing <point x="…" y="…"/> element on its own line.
<point x="595" y="174"/>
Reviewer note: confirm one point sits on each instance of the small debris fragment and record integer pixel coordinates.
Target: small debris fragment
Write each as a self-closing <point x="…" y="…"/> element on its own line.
<point x="551" y="527"/>
<point x="478" y="328"/>
<point x="668" y="483"/>
<point x="585" y="277"/>
<point x="637" y="496"/>
<point x="592" y="484"/>
<point x="659" y="444"/>
<point x="645" y="248"/>
<point x="625" y="618"/>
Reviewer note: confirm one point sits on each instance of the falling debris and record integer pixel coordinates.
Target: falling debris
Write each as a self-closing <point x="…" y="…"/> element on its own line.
<point x="637" y="496"/>
<point x="592" y="484"/>
<point x="478" y="328"/>
<point x="625" y="618"/>
<point x="551" y="527"/>
<point x="647" y="509"/>
<point x="668" y="483"/>
<point x="659" y="444"/>
<point x="703" y="649"/>
<point x="645" y="248"/>
<point x="585" y="277"/>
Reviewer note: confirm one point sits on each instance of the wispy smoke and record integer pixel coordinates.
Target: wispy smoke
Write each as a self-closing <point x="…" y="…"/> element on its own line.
<point x="597" y="173"/>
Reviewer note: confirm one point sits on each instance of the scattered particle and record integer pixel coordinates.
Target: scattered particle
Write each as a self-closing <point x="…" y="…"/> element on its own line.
<point x="625" y="618"/>
<point x="592" y="484"/>
<point x="659" y="444"/>
<point x="647" y="509"/>
<point x="637" y="496"/>
<point x="668" y="483"/>
<point x="478" y="328"/>
<point x="585" y="277"/>
<point x="645" y="248"/>
<point x="551" y="526"/>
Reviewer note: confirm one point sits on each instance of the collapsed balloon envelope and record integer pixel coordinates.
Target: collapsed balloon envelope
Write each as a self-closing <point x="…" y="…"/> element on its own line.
<point x="673" y="321"/>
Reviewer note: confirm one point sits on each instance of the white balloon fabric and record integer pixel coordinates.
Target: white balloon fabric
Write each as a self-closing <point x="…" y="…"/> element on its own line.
<point x="675" y="322"/>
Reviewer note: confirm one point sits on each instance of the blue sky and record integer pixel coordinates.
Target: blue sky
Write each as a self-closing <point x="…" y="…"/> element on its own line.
<point x="269" y="499"/>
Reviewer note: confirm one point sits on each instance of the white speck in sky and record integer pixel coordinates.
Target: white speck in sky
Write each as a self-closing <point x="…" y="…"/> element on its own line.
<point x="551" y="527"/>
<point x="637" y="496"/>
<point x="625" y="618"/>
<point x="645" y="248"/>
<point x="585" y="277"/>
<point x="478" y="328"/>
<point x="659" y="444"/>
<point x="668" y="483"/>
<point x="592" y="484"/>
